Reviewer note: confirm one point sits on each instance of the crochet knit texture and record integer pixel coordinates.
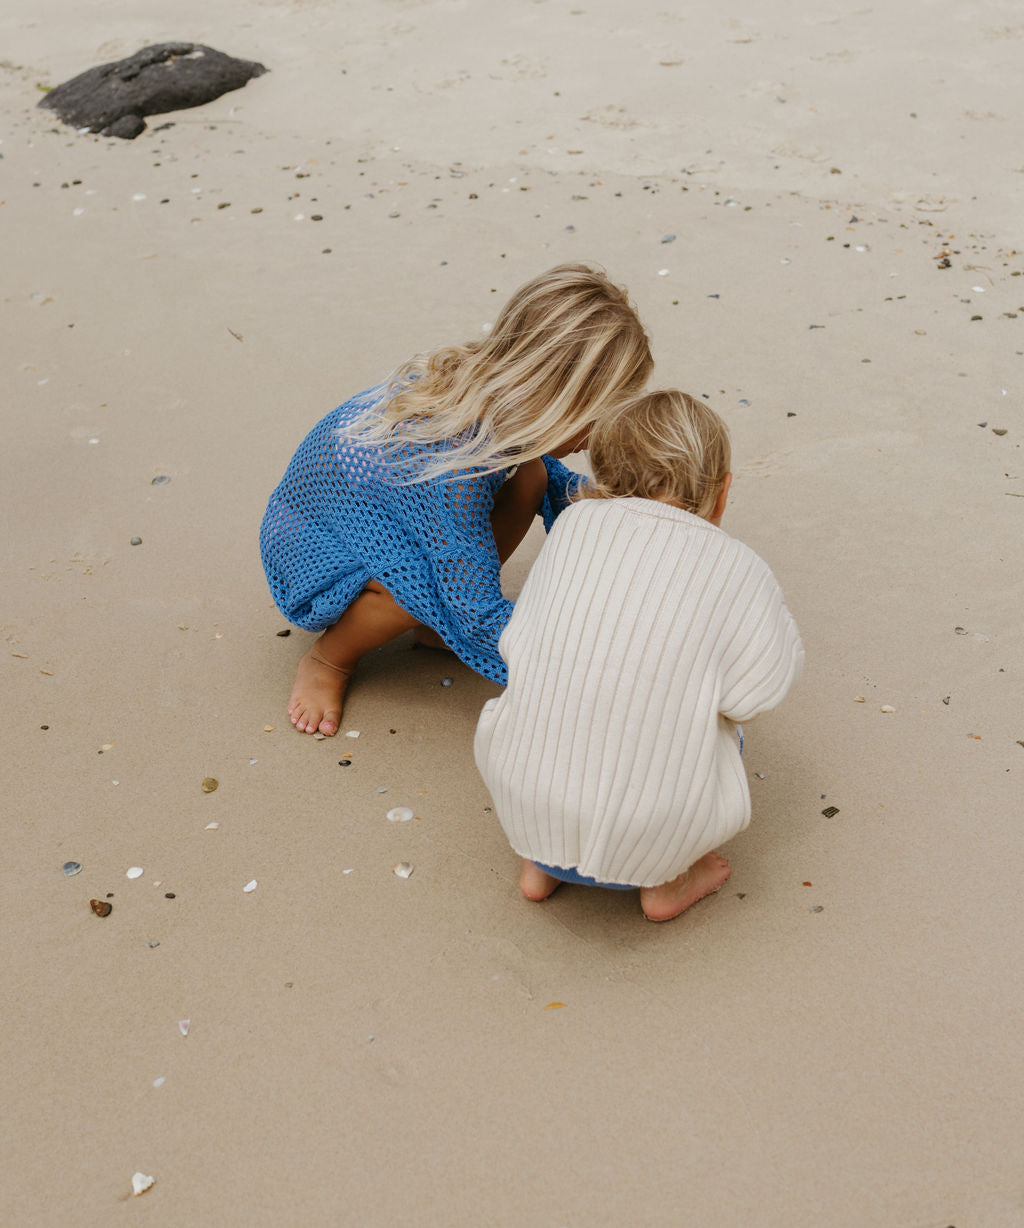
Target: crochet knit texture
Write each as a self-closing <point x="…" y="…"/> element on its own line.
<point x="345" y="514"/>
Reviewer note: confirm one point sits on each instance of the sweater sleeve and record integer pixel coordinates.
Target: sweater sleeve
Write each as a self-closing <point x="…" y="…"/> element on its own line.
<point x="563" y="484"/>
<point x="454" y="526"/>
<point x="769" y="655"/>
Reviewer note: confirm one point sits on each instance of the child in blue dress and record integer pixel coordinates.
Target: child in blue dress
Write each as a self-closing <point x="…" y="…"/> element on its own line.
<point x="399" y="508"/>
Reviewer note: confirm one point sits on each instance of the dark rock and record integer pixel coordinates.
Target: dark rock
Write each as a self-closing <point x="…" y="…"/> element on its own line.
<point x="112" y="99"/>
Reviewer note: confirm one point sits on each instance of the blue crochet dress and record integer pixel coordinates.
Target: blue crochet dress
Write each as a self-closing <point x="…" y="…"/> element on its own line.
<point x="342" y="516"/>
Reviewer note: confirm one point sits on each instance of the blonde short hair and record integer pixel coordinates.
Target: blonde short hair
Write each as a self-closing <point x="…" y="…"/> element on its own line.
<point x="565" y="351"/>
<point x="662" y="445"/>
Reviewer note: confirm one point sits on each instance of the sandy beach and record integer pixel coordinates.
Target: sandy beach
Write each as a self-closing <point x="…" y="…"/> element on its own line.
<point x="818" y="216"/>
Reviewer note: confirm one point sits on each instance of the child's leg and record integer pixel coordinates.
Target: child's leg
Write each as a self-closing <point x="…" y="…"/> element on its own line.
<point x="371" y="620"/>
<point x="374" y="617"/>
<point x="670" y="899"/>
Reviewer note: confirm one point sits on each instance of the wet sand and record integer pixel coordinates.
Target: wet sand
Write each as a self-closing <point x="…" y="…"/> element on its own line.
<point x="818" y="217"/>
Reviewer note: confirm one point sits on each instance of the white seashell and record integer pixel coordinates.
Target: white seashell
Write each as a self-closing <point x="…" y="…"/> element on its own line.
<point x="349" y="871"/>
<point x="383" y="789"/>
<point x="978" y="289"/>
<point x="352" y="733"/>
<point x="663" y="272"/>
<point x="318" y="736"/>
<point x="134" y="872"/>
<point x="403" y="869"/>
<point x="887" y="708"/>
<point x="251" y="885"/>
<point x="211" y="826"/>
<point x="160" y="1082"/>
<point x="71" y="867"/>
<point x="400" y="814"/>
<point x="858" y="699"/>
<point x="184" y="1025"/>
<point x="141" y="1183"/>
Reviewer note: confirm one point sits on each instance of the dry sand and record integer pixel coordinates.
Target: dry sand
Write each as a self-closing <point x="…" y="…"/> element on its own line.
<point x="835" y="1039"/>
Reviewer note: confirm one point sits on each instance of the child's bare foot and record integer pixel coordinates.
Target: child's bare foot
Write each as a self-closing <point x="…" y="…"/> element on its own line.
<point x="535" y="884"/>
<point x="670" y="899"/>
<point x="315" y="704"/>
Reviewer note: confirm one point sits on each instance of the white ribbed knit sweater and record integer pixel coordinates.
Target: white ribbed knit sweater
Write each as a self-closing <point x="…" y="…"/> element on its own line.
<point x="641" y="635"/>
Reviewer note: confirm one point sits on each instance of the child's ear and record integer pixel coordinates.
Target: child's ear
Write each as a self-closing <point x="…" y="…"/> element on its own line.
<point x="720" y="502"/>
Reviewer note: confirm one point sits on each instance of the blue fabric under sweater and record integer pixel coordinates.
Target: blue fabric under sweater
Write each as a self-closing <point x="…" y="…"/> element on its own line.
<point x="343" y="515"/>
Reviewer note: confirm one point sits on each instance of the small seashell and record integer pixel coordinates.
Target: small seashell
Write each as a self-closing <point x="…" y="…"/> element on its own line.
<point x="400" y="814"/>
<point x="135" y="541"/>
<point x="446" y="681"/>
<point x="667" y="239"/>
<point x="858" y="699"/>
<point x="251" y="885"/>
<point x="134" y="872"/>
<point x="554" y="1006"/>
<point x="160" y="1081"/>
<point x="153" y="943"/>
<point x="101" y="907"/>
<point x="318" y="736"/>
<point x="383" y="789"/>
<point x="403" y="869"/>
<point x="268" y="728"/>
<point x="887" y="708"/>
<point x="209" y="784"/>
<point x="352" y="733"/>
<point x="184" y="1025"/>
<point x="161" y="479"/>
<point x="141" y="1183"/>
<point x="759" y="775"/>
<point x="663" y="272"/>
<point x="71" y="867"/>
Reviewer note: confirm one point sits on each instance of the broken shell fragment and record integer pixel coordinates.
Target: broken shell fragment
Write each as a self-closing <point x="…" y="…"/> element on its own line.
<point x="858" y="699"/>
<point x="134" y="872"/>
<point x="141" y="1183"/>
<point x="101" y="908"/>
<point x="400" y="814"/>
<point x="403" y="869"/>
<point x="71" y="867"/>
<point x="887" y="708"/>
<point x="209" y="784"/>
<point x="251" y="885"/>
<point x="184" y="1025"/>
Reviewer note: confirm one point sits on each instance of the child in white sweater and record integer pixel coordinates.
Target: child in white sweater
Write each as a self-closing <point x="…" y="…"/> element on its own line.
<point x="643" y="636"/>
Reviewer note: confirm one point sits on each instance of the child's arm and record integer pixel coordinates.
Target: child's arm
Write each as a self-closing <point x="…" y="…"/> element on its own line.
<point x="767" y="655"/>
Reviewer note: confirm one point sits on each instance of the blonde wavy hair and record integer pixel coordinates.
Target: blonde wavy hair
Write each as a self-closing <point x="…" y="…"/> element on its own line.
<point x="662" y="445"/>
<point x="565" y="351"/>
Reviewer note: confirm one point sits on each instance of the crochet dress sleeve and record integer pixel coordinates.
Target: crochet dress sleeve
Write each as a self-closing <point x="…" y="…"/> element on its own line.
<point x="460" y="594"/>
<point x="563" y="484"/>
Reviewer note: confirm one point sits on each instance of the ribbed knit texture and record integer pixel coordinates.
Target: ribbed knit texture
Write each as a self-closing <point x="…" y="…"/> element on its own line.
<point x="341" y="516"/>
<point x="641" y="635"/>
